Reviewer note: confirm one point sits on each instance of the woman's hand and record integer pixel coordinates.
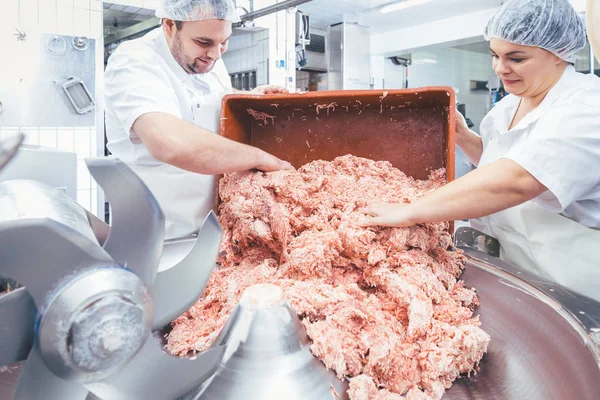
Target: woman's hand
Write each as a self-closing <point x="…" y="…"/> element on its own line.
<point x="386" y="214"/>
<point x="461" y="123"/>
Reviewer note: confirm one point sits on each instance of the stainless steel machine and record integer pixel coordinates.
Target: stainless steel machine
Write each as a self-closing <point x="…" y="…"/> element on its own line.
<point x="87" y="318"/>
<point x="87" y="322"/>
<point x="92" y="301"/>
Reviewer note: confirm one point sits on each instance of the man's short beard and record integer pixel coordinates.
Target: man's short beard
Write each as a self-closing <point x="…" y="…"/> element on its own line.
<point x="178" y="54"/>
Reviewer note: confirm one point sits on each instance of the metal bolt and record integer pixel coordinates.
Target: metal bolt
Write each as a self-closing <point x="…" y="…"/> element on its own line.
<point x="106" y="333"/>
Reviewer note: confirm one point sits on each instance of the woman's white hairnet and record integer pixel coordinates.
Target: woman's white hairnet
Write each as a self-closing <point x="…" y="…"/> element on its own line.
<point x="197" y="10"/>
<point x="552" y="25"/>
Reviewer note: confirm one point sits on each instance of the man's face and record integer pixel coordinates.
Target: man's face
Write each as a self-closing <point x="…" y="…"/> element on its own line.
<point x="197" y="45"/>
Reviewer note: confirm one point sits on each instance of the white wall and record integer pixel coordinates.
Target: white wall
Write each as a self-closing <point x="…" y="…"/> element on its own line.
<point x="281" y="27"/>
<point x="65" y="17"/>
<point x="442" y="33"/>
<point x="247" y="52"/>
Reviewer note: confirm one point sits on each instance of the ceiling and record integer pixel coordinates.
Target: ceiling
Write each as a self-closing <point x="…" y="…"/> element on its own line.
<point x="117" y="16"/>
<point x="328" y="12"/>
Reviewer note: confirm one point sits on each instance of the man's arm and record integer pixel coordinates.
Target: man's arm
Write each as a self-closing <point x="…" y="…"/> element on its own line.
<point x="189" y="147"/>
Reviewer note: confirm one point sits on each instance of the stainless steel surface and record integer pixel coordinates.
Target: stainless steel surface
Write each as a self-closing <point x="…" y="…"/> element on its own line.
<point x="44" y="255"/>
<point x="196" y="267"/>
<point x="334" y="55"/>
<point x="35" y="97"/>
<point x="584" y="309"/>
<point x="95" y="324"/>
<point x="92" y="314"/>
<point x="539" y="350"/>
<point x="52" y="167"/>
<point x="473" y="239"/>
<point x="348" y="57"/>
<point x="9" y="147"/>
<point x="268" y="355"/>
<point x="100" y="228"/>
<point x="16" y="335"/>
<point x="138" y="226"/>
<point x="29" y="199"/>
<point x="154" y="374"/>
<point x="37" y="382"/>
<point x="356" y="61"/>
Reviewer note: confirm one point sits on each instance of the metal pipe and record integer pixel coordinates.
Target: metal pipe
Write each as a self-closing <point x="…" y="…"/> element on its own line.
<point x="136" y="29"/>
<point x="152" y="23"/>
<point x="270" y="10"/>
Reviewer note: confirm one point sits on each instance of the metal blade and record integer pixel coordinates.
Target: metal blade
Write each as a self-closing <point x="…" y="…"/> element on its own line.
<point x="38" y="383"/>
<point x="145" y="376"/>
<point x="17" y="313"/>
<point x="178" y="288"/>
<point x="99" y="227"/>
<point x="138" y="229"/>
<point x="9" y="147"/>
<point x="39" y="252"/>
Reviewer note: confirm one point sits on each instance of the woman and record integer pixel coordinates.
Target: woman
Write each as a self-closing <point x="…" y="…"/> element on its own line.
<point x="537" y="185"/>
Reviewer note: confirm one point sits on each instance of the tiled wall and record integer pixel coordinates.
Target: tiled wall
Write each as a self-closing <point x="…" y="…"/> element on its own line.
<point x="65" y="17"/>
<point x="249" y="51"/>
<point x="448" y="67"/>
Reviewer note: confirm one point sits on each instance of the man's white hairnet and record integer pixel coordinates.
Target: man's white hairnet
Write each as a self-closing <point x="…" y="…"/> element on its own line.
<point x="552" y="25"/>
<point x="197" y="10"/>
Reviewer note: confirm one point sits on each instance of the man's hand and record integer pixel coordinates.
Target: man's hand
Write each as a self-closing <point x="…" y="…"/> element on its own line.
<point x="385" y="214"/>
<point x="270" y="163"/>
<point x="270" y="89"/>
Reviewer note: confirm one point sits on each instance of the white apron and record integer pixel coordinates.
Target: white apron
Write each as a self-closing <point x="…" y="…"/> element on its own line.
<point x="545" y="243"/>
<point x="186" y="197"/>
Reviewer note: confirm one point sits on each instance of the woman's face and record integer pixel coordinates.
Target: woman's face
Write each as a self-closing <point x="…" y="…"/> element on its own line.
<point x="526" y="71"/>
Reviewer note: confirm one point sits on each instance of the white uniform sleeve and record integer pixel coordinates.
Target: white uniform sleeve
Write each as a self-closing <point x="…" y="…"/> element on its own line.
<point x="136" y="84"/>
<point x="563" y="153"/>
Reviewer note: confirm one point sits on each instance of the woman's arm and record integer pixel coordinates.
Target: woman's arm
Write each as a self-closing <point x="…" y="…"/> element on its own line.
<point x="484" y="191"/>
<point x="468" y="141"/>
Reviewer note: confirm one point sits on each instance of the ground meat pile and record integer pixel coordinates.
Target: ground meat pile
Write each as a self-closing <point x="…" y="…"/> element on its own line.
<point x="382" y="306"/>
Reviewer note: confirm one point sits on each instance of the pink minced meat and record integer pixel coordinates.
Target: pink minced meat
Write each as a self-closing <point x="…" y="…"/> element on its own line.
<point x="382" y="306"/>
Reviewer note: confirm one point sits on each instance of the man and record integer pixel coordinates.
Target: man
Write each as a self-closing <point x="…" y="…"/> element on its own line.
<point x="163" y="97"/>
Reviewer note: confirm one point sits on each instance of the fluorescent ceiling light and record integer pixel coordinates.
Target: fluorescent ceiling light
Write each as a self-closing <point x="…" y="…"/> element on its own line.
<point x="401" y="5"/>
<point x="425" y="61"/>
